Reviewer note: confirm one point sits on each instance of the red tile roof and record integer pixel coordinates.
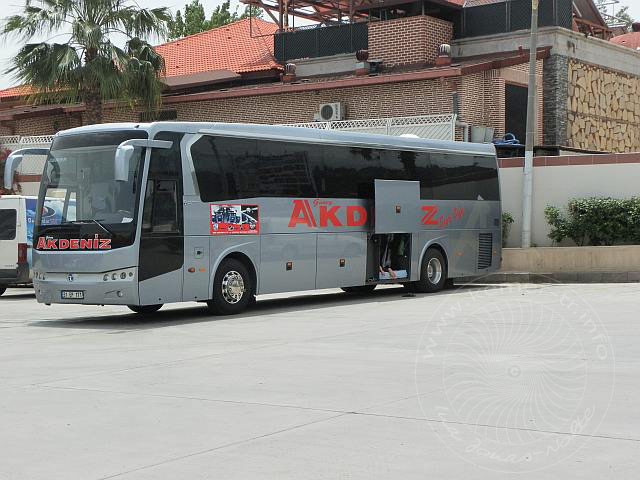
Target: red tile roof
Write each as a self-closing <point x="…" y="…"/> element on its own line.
<point x="631" y="39"/>
<point x="231" y="47"/>
<point x="17" y="91"/>
<point x="238" y="47"/>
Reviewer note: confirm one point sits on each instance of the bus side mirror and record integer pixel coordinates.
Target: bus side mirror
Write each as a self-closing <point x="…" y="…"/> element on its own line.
<point x="10" y="167"/>
<point x="124" y="153"/>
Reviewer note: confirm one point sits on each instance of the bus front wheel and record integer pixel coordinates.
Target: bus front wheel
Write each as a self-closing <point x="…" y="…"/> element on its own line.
<point x="232" y="288"/>
<point x="433" y="272"/>
<point x="145" y="309"/>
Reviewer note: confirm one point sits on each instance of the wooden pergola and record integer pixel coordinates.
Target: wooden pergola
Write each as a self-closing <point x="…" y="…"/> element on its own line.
<point x="331" y="11"/>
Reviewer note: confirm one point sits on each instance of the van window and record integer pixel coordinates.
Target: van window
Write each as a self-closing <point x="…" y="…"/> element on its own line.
<point x="8" y="219"/>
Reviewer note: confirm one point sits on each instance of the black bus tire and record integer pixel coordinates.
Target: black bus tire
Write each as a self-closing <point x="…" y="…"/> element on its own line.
<point x="359" y="289"/>
<point x="145" y="309"/>
<point x="433" y="272"/>
<point x="2" y="290"/>
<point x="232" y="288"/>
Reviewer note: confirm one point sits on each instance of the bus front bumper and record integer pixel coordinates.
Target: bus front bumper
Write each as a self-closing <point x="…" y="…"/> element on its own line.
<point x="86" y="289"/>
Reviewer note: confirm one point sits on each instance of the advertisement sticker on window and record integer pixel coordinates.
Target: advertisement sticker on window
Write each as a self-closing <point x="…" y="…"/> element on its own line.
<point x="229" y="219"/>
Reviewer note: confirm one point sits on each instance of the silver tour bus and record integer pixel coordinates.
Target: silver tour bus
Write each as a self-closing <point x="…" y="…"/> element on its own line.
<point x="147" y="214"/>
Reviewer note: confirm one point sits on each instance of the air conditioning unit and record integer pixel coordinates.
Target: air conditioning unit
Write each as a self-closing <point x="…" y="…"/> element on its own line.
<point x="330" y="112"/>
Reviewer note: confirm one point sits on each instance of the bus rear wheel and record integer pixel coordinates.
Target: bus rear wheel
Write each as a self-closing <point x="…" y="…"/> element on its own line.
<point x="145" y="309"/>
<point x="359" y="289"/>
<point x="433" y="272"/>
<point x="232" y="288"/>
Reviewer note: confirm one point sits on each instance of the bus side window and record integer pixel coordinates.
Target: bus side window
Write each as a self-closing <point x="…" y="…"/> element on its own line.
<point x="161" y="207"/>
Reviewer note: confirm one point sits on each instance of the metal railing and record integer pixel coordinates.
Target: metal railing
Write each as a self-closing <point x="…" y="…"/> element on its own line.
<point x="320" y="41"/>
<point x="31" y="164"/>
<point x="435" y="127"/>
<point x="502" y="16"/>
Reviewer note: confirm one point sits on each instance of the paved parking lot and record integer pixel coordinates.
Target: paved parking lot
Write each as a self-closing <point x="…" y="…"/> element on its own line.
<point x="480" y="382"/>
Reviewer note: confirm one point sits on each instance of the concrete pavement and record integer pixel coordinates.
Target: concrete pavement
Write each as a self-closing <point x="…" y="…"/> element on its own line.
<point x="480" y="382"/>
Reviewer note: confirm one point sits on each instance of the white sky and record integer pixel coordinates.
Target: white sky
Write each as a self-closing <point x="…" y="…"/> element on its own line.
<point x="8" y="48"/>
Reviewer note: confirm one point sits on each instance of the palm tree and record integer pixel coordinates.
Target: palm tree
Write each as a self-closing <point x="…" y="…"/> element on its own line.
<point x="88" y="67"/>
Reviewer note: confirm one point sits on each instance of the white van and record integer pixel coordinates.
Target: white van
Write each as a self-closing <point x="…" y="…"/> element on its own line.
<point x="17" y="217"/>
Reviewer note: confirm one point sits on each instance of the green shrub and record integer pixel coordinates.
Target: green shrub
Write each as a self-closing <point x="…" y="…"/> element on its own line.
<point x="507" y="221"/>
<point x="596" y="221"/>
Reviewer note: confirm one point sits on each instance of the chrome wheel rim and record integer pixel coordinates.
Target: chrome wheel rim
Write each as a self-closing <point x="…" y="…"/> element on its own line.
<point x="232" y="287"/>
<point x="434" y="271"/>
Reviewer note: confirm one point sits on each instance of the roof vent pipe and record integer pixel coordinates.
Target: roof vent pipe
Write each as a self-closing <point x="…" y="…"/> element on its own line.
<point x="289" y="74"/>
<point x="444" y="55"/>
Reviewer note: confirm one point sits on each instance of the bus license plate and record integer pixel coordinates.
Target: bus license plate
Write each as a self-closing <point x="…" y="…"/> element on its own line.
<point x="72" y="295"/>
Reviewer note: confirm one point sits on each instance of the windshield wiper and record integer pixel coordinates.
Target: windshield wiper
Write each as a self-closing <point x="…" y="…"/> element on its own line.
<point x="88" y="222"/>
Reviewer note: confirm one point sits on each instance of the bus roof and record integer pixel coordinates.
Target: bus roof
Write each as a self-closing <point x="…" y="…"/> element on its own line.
<point x="304" y="135"/>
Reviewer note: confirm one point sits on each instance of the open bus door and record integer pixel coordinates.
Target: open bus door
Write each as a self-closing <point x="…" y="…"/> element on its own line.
<point x="397" y="206"/>
<point x="397" y="219"/>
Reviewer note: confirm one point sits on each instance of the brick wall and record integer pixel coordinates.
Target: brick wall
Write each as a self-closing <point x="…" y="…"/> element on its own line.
<point x="406" y="41"/>
<point x="481" y="100"/>
<point x="46" y="125"/>
<point x="375" y="101"/>
<point x="6" y="129"/>
<point x="603" y="109"/>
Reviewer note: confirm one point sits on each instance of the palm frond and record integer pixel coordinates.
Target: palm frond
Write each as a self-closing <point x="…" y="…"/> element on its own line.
<point x="37" y="20"/>
<point x="140" y="22"/>
<point x="51" y="69"/>
<point x="89" y="66"/>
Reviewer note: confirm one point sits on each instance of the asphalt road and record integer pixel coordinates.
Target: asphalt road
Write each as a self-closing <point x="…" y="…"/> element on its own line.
<point x="476" y="383"/>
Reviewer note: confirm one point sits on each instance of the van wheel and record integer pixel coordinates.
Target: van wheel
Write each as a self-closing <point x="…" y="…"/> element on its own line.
<point x="360" y="289"/>
<point x="433" y="272"/>
<point x="232" y="288"/>
<point x="2" y="290"/>
<point x="145" y="309"/>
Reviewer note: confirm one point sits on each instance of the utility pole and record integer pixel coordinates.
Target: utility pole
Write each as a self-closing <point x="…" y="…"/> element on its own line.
<point x="527" y="187"/>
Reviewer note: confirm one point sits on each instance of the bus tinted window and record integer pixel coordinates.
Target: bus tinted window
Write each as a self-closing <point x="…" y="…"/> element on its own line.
<point x="161" y="214"/>
<point x="487" y="184"/>
<point x="230" y="168"/>
<point x="210" y="161"/>
<point x="407" y="165"/>
<point x="463" y="177"/>
<point x="8" y="219"/>
<point x="287" y="170"/>
<point x="349" y="172"/>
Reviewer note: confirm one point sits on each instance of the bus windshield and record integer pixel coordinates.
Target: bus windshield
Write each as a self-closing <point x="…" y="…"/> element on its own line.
<point x="78" y="185"/>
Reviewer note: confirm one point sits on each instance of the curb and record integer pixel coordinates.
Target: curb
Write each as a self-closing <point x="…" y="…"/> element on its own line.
<point x="558" y="277"/>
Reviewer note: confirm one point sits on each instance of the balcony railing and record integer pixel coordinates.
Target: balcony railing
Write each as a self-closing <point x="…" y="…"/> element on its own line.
<point x="321" y="41"/>
<point x="503" y="16"/>
<point x="435" y="127"/>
